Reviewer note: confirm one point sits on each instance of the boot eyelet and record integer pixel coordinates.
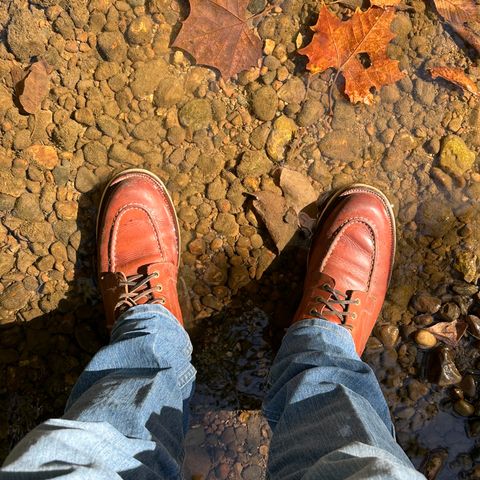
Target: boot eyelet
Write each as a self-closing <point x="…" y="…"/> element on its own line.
<point x="357" y="301"/>
<point x="156" y="274"/>
<point x="354" y="316"/>
<point x="163" y="301"/>
<point x="313" y="313"/>
<point x="159" y="288"/>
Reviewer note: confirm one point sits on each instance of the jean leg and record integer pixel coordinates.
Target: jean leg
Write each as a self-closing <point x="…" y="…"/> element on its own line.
<point x="127" y="414"/>
<point x="327" y="411"/>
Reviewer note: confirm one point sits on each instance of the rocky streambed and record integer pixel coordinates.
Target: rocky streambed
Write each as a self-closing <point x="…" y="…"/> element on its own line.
<point x="119" y="96"/>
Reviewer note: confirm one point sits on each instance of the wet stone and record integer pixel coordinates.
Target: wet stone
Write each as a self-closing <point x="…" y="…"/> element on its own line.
<point x="280" y="136"/>
<point x="341" y="145"/>
<point x="388" y="335"/>
<point x="417" y="390"/>
<point x="85" y="180"/>
<point x="14" y="297"/>
<point x="464" y="408"/>
<point x="7" y="260"/>
<point x="442" y="369"/>
<point x="425" y="339"/>
<point x="147" y="77"/>
<point x="112" y="46"/>
<point x="169" y="92"/>
<point x="225" y="224"/>
<point x="139" y="31"/>
<point x="196" y="114"/>
<point x="254" y="163"/>
<point x="473" y="325"/>
<point x="95" y="153"/>
<point x="468" y="386"/>
<point x="27" y="207"/>
<point x="310" y="113"/>
<point x="293" y="91"/>
<point x="425" y="303"/>
<point x="455" y="157"/>
<point x="449" y="312"/>
<point x="265" y="103"/>
<point x="23" y="45"/>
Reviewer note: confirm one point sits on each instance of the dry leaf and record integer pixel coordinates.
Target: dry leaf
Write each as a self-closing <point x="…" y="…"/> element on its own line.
<point x="384" y="3"/>
<point x="462" y="15"/>
<point x="448" y="332"/>
<point x="342" y="45"/>
<point x="34" y="86"/>
<point x="216" y="33"/>
<point x="456" y="76"/>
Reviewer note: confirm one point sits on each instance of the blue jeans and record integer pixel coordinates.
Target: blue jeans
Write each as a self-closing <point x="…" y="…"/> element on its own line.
<point x="128" y="413"/>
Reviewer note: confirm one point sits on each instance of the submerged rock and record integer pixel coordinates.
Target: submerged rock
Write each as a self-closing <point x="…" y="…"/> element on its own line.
<point x="442" y="369"/>
<point x="455" y="157"/>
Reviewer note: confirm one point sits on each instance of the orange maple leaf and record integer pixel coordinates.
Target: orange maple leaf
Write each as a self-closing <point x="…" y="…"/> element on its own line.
<point x="338" y="44"/>
<point x="456" y="76"/>
<point x="462" y="15"/>
<point x="216" y="33"/>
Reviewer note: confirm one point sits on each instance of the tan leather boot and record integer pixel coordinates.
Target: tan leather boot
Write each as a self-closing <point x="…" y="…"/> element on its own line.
<point x="138" y="243"/>
<point x="350" y="261"/>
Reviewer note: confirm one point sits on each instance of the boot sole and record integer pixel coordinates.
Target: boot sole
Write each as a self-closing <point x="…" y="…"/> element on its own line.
<point x="162" y="185"/>
<point x="331" y="198"/>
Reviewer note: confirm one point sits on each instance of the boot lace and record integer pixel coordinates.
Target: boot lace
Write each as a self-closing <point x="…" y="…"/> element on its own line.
<point x="337" y="298"/>
<point x="135" y="291"/>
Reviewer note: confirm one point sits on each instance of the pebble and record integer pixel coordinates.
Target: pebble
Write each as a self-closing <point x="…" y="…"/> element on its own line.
<point x="169" y="92"/>
<point x="14" y="297"/>
<point x="196" y="114"/>
<point x="225" y="224"/>
<point x="425" y="303"/>
<point x="139" y="31"/>
<point x="388" y="334"/>
<point x="27" y="207"/>
<point x="280" y="136"/>
<point x="95" y="153"/>
<point x="425" y="339"/>
<point x="85" y="180"/>
<point x="293" y="91"/>
<point x="473" y="325"/>
<point x="112" y="46"/>
<point x="254" y="163"/>
<point x="265" y="103"/>
<point x="464" y="408"/>
<point x="455" y="157"/>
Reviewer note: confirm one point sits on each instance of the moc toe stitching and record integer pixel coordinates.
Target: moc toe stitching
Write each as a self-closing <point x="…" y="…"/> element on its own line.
<point x="341" y="231"/>
<point x="115" y="228"/>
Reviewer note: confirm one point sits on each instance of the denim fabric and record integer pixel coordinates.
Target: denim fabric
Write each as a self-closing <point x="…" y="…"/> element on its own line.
<point x="128" y="413"/>
<point x="328" y="415"/>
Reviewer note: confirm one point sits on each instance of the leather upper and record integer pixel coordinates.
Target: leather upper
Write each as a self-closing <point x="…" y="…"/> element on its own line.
<point x="350" y="262"/>
<point x="138" y="238"/>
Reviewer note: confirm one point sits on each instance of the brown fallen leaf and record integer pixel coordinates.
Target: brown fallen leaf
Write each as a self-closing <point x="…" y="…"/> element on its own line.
<point x="448" y="332"/>
<point x="216" y="33"/>
<point x="34" y="86"/>
<point x="456" y="76"/>
<point x="343" y="46"/>
<point x="463" y="16"/>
